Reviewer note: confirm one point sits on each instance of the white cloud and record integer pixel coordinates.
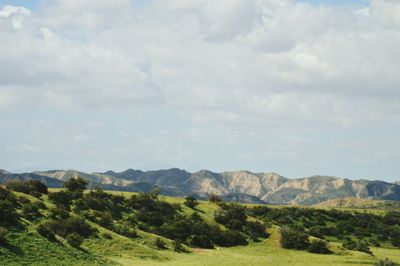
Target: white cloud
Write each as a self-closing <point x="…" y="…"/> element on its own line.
<point x="252" y="66"/>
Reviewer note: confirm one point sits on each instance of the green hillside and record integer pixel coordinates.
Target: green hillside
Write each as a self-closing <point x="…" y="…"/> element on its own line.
<point x="119" y="228"/>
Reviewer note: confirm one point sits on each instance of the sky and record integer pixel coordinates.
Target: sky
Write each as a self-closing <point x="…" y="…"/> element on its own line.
<point x="299" y="88"/>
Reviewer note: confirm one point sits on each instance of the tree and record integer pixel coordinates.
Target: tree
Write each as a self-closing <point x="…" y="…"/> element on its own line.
<point x="191" y="202"/>
<point x="76" y="184"/>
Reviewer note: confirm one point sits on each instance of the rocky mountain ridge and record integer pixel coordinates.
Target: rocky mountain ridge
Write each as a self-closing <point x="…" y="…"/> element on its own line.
<point x="241" y="186"/>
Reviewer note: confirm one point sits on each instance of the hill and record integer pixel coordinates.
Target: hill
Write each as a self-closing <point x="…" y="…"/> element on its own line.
<point x="243" y="186"/>
<point x="357" y="203"/>
<point x="34" y="232"/>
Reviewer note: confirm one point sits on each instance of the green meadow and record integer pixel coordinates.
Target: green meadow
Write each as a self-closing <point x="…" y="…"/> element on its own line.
<point x="25" y="246"/>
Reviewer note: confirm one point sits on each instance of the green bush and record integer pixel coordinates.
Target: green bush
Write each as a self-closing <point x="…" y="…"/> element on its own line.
<point x="59" y="213"/>
<point x="202" y="241"/>
<point x="74" y="239"/>
<point x="357" y="245"/>
<point x="178" y="247"/>
<point x="319" y="247"/>
<point x="8" y="213"/>
<point x="292" y="239"/>
<point x="126" y="230"/>
<point x="30" y="211"/>
<point x="385" y="262"/>
<point x="191" y="202"/>
<point x="160" y="244"/>
<point x="32" y="187"/>
<point x="61" y="198"/>
<point x="76" y="184"/>
<point x="106" y="235"/>
<point x="3" y="235"/>
<point x="44" y="231"/>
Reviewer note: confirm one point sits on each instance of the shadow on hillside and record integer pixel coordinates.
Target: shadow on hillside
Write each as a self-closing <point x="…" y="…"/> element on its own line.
<point x="14" y="249"/>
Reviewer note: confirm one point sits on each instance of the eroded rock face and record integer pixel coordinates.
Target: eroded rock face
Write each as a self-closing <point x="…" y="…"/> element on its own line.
<point x="233" y="185"/>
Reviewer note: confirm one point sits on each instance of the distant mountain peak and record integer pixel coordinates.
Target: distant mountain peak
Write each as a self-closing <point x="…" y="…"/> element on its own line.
<point x="239" y="185"/>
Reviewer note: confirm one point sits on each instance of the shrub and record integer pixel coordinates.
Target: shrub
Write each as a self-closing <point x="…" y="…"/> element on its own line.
<point x="32" y="187"/>
<point x="125" y="230"/>
<point x="229" y="238"/>
<point x="106" y="235"/>
<point x="385" y="262"/>
<point x="44" y="231"/>
<point x="61" y="198"/>
<point x="30" y="211"/>
<point x="319" y="247"/>
<point x="359" y="246"/>
<point x="191" y="202"/>
<point x="215" y="198"/>
<point x="160" y="244"/>
<point x="8" y="213"/>
<point x="178" y="247"/>
<point x="256" y="229"/>
<point x="317" y="231"/>
<point x="70" y="225"/>
<point x="59" y="213"/>
<point x="3" y="234"/>
<point x="6" y="195"/>
<point x="293" y="239"/>
<point x="202" y="241"/>
<point x="74" y="239"/>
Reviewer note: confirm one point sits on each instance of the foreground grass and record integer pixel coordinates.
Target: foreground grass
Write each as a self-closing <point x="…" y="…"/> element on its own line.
<point x="29" y="248"/>
<point x="267" y="252"/>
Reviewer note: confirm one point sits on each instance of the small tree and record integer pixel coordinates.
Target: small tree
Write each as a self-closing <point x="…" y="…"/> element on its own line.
<point x="191" y="202"/>
<point x="76" y="184"/>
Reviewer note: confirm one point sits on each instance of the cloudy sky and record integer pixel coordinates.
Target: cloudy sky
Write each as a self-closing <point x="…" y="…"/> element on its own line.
<point x="294" y="87"/>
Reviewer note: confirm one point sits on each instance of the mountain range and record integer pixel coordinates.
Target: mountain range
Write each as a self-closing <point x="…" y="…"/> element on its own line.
<point x="242" y="186"/>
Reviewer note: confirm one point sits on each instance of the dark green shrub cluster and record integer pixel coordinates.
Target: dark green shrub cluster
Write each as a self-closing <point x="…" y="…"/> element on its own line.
<point x="191" y="202"/>
<point x="319" y="247"/>
<point x="334" y="223"/>
<point x="31" y="210"/>
<point x="160" y="244"/>
<point x="234" y="217"/>
<point x="8" y="208"/>
<point x="75" y="226"/>
<point x="357" y="245"/>
<point x="31" y="187"/>
<point x="385" y="262"/>
<point x="3" y="236"/>
<point x="293" y="239"/>
<point x="74" y="239"/>
<point x="43" y="230"/>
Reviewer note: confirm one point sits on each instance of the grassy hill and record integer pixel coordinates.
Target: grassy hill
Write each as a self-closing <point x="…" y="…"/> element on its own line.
<point x="359" y="203"/>
<point x="25" y="246"/>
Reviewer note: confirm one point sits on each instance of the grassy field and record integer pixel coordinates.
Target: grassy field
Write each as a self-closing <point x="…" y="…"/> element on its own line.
<point x="267" y="252"/>
<point x="27" y="247"/>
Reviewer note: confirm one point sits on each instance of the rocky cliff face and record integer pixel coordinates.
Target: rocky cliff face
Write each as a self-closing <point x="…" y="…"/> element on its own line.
<point x="242" y="186"/>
